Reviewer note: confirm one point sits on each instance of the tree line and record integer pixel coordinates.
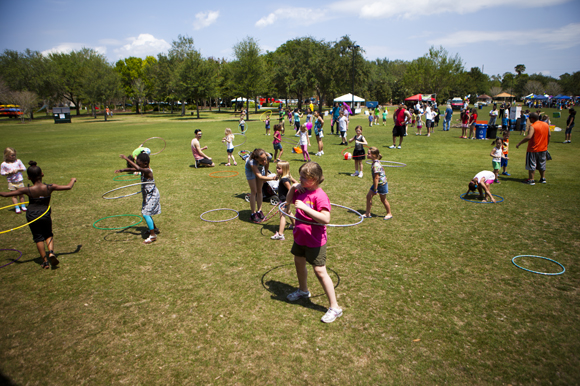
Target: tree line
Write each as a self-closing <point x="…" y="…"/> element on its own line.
<point x="298" y="69"/>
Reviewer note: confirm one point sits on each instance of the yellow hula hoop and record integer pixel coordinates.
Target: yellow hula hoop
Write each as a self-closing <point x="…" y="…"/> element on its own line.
<point x="269" y="113"/>
<point x="28" y="223"/>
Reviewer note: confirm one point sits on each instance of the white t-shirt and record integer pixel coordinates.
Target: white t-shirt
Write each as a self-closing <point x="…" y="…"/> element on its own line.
<point x="342" y="123"/>
<point x="497" y="154"/>
<point x="485" y="173"/>
<point x="303" y="137"/>
<point x="428" y="114"/>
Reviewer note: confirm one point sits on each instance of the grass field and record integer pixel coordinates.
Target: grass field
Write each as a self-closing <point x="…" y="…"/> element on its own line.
<point x="429" y="297"/>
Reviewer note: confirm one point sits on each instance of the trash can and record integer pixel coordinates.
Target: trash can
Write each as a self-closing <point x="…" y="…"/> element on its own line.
<point x="480" y="130"/>
<point x="480" y="106"/>
<point x="492" y="132"/>
<point x="61" y="114"/>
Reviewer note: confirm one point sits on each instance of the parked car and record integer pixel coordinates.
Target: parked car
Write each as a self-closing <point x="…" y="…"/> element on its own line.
<point x="456" y="103"/>
<point x="480" y="103"/>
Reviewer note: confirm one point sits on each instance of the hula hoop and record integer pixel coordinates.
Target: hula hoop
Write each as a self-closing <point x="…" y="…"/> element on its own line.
<point x="123" y="187"/>
<point x="268" y="114"/>
<point x="242" y="153"/>
<point x="28" y="223"/>
<point x="328" y="225"/>
<point x="130" y="179"/>
<point x="164" y="144"/>
<point x="271" y="214"/>
<point x="346" y="148"/>
<point x="288" y="141"/>
<point x="118" y="215"/>
<point x="388" y="164"/>
<point x="13" y="261"/>
<point x="538" y="272"/>
<point x="214" y="210"/>
<point x="245" y="139"/>
<point x="224" y="171"/>
<point x="245" y="126"/>
<point x="480" y="202"/>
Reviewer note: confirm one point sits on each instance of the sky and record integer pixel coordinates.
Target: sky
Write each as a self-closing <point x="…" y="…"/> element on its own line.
<point x="494" y="35"/>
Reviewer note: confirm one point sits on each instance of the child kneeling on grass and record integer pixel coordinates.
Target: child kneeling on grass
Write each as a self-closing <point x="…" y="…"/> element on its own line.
<point x="312" y="205"/>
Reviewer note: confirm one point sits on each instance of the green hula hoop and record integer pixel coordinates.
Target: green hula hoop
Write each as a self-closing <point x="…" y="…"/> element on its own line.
<point x="116" y="178"/>
<point x="118" y="215"/>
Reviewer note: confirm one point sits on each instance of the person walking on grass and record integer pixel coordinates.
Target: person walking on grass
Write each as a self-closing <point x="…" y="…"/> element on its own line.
<point x="12" y="168"/>
<point x="447" y="118"/>
<point x="312" y="206"/>
<point x="379" y="185"/>
<point x="39" y="211"/>
<point x="318" y="132"/>
<point x="570" y="124"/>
<point x="538" y="139"/>
<point x="358" y="154"/>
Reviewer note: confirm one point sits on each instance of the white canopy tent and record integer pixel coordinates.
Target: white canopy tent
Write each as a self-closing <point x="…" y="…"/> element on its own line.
<point x="348" y="98"/>
<point x="240" y="99"/>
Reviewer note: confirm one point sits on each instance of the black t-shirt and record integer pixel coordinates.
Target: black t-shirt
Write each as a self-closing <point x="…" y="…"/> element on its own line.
<point x="282" y="189"/>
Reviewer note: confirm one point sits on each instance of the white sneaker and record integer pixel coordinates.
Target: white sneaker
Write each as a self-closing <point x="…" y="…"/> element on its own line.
<point x="322" y="152"/>
<point x="331" y="315"/>
<point x="17" y="210"/>
<point x="354" y="174"/>
<point x="278" y="236"/>
<point x="398" y="147"/>
<point x="360" y="175"/>
<point x="392" y="147"/>
<point x="299" y="294"/>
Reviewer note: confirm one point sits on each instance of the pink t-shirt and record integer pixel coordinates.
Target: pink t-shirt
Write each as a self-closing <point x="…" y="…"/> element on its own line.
<point x="311" y="236"/>
<point x="11" y="167"/>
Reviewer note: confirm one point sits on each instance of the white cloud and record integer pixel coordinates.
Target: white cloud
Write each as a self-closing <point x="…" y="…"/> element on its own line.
<point x="562" y="38"/>
<point x="304" y="16"/>
<point x="64" y="48"/>
<point x="205" y="19"/>
<point x="143" y="45"/>
<point x="380" y="9"/>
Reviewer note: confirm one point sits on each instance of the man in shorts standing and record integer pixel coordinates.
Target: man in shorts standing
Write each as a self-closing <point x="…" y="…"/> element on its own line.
<point x="538" y="139"/>
<point x="401" y="116"/>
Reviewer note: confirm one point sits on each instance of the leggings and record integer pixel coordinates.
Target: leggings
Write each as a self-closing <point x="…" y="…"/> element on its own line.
<point x="149" y="222"/>
<point x="305" y="152"/>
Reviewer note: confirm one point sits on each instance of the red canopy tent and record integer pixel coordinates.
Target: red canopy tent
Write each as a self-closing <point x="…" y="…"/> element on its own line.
<point x="417" y="97"/>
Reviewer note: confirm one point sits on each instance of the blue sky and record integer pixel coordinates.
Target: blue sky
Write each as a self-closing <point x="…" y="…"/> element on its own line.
<point x="544" y="35"/>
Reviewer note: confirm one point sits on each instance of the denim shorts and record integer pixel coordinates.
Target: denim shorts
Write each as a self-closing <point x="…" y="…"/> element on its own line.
<point x="382" y="189"/>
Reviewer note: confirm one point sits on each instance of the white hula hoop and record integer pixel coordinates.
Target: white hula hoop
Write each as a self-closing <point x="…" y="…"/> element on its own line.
<point x="214" y="210"/>
<point x="388" y="164"/>
<point x="245" y="139"/>
<point x="164" y="144"/>
<point x="327" y="225"/>
<point x="123" y="187"/>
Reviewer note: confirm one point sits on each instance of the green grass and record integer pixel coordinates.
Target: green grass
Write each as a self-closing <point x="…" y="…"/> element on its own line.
<point x="429" y="297"/>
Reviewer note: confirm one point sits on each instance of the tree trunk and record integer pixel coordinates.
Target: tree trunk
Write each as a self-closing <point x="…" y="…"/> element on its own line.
<point x="136" y="103"/>
<point x="248" y="107"/>
<point x="182" y="108"/>
<point x="256" y="105"/>
<point x="209" y="103"/>
<point x="172" y="102"/>
<point x="197" y="109"/>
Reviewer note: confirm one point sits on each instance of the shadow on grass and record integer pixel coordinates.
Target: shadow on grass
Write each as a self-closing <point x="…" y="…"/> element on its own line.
<point x="280" y="290"/>
<point x="38" y="260"/>
<point x="131" y="231"/>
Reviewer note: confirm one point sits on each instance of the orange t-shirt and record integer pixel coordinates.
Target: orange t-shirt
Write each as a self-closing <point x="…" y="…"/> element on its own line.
<point x="539" y="141"/>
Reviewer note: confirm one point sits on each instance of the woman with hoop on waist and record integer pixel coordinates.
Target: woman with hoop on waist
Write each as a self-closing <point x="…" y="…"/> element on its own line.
<point x="38" y="214"/>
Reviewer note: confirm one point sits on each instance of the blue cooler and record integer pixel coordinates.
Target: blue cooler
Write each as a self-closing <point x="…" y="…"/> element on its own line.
<point x="480" y="130"/>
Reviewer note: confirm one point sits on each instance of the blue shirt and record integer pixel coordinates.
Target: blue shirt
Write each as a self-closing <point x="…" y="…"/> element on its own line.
<point x="448" y="113"/>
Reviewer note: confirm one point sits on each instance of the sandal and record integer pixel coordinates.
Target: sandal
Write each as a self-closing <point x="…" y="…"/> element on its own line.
<point x="45" y="265"/>
<point x="150" y="239"/>
<point x="53" y="260"/>
<point x="365" y="216"/>
<point x="388" y="217"/>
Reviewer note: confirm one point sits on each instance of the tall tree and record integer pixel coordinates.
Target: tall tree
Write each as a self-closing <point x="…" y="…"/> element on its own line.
<point x="248" y="69"/>
<point x="101" y="82"/>
<point x="180" y="50"/>
<point x="520" y="69"/>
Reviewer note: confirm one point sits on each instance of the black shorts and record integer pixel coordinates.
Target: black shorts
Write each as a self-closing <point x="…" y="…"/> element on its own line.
<point x="41" y="229"/>
<point x="399" y="131"/>
<point x="358" y="155"/>
<point x="204" y="161"/>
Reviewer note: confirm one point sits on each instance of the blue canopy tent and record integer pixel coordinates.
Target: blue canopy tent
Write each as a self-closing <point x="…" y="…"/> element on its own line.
<point x="560" y="96"/>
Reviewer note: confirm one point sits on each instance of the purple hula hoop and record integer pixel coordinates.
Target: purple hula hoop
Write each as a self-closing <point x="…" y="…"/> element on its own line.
<point x="15" y="250"/>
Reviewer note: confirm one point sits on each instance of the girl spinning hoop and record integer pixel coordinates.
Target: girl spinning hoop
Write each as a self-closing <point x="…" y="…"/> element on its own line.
<point x="151" y="197"/>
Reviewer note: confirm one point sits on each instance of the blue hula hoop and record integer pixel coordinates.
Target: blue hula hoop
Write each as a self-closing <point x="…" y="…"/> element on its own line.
<point x="539" y="273"/>
<point x="480" y="202"/>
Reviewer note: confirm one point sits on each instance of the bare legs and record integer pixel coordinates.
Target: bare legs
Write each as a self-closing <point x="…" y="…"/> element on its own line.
<point x="323" y="278"/>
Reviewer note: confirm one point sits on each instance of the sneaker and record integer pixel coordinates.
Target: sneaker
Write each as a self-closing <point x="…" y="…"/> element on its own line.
<point x="331" y="315"/>
<point x="542" y="180"/>
<point x="392" y="147"/>
<point x="505" y="174"/>
<point x="360" y="175"/>
<point x="260" y="215"/>
<point x="254" y="218"/>
<point x="17" y="210"/>
<point x="496" y="182"/>
<point x="23" y="208"/>
<point x="398" y="147"/>
<point x="278" y="237"/>
<point x="298" y="294"/>
<point x="354" y="174"/>
<point x="322" y="152"/>
<point x="530" y="182"/>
